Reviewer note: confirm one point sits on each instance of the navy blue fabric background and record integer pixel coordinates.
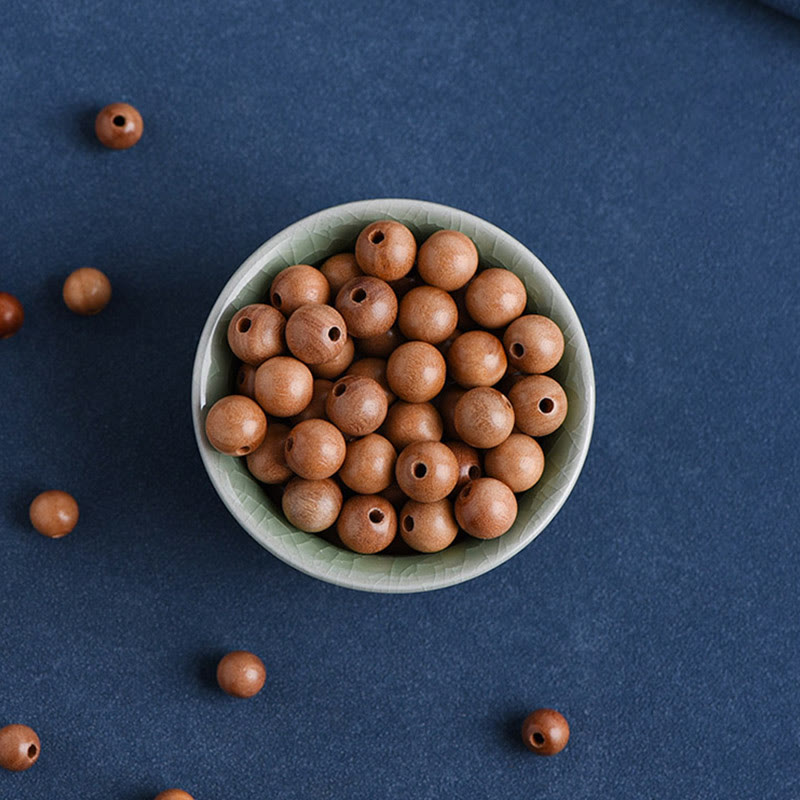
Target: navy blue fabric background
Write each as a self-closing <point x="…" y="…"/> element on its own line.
<point x="649" y="153"/>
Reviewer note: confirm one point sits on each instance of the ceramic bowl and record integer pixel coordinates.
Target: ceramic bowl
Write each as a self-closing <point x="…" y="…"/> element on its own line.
<point x="310" y="241"/>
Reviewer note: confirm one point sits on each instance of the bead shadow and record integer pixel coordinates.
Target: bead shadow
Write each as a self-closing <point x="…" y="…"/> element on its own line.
<point x="203" y="668"/>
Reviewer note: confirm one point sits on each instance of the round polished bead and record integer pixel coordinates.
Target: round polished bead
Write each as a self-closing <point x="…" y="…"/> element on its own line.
<point x="368" y="305"/>
<point x="241" y="674"/>
<point x="19" y="747"/>
<point x="540" y="405"/>
<point x="339" y="269"/>
<point x="428" y="527"/>
<point x="53" y="513"/>
<point x="316" y="333"/>
<point x="173" y="794"/>
<point x="297" y="286"/>
<point x="86" y="291"/>
<point x="235" y="425"/>
<point x="386" y="249"/>
<point x="486" y="508"/>
<point x="356" y="405"/>
<point x="12" y="315"/>
<point x="336" y="366"/>
<point x="545" y="732"/>
<point x="518" y="462"/>
<point x="374" y="368"/>
<point x="469" y="462"/>
<point x="255" y="333"/>
<point x="427" y="314"/>
<point x="447" y="259"/>
<point x="311" y="506"/>
<point x="381" y="346"/>
<point x="534" y="344"/>
<point x="316" y="408"/>
<point x="496" y="297"/>
<point x="412" y="422"/>
<point x="447" y="402"/>
<point x="267" y="462"/>
<point x="367" y="523"/>
<point x="484" y="417"/>
<point x="476" y="358"/>
<point x="284" y="386"/>
<point x="368" y="466"/>
<point x="118" y="126"/>
<point x="246" y="381"/>
<point x="314" y="449"/>
<point x="416" y="372"/>
<point x="426" y="471"/>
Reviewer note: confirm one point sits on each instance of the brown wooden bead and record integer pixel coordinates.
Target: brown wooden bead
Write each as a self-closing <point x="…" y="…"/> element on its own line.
<point x="246" y="381"/>
<point x="386" y="249"/>
<point x="545" y="732"/>
<point x="367" y="524"/>
<point x="447" y="259"/>
<point x="284" y="386"/>
<point x="314" y="449"/>
<point x="241" y="674"/>
<point x="427" y="314"/>
<point x="267" y="462"/>
<point x="447" y="402"/>
<point x="469" y="463"/>
<point x="19" y="748"/>
<point x="87" y="291"/>
<point x="336" y="366"/>
<point x="311" y="506"/>
<point x="476" y="358"/>
<point x="540" y="405"/>
<point x="297" y="286"/>
<point x="368" y="467"/>
<point x="381" y="346"/>
<point x="119" y="126"/>
<point x="316" y="333"/>
<point x="374" y="368"/>
<point x="416" y="372"/>
<point x="426" y="471"/>
<point x="356" y="405"/>
<point x="484" y="417"/>
<point x="339" y="269"/>
<point x="235" y="425"/>
<point x="173" y="794"/>
<point x="496" y="297"/>
<point x="428" y="527"/>
<point x="316" y="408"/>
<point x="518" y="462"/>
<point x="486" y="508"/>
<point x="368" y="305"/>
<point x="12" y="315"/>
<point x="412" y="422"/>
<point x="534" y="344"/>
<point x="255" y="333"/>
<point x="53" y="513"/>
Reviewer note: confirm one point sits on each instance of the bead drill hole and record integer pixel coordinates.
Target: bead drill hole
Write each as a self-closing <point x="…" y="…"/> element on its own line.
<point x="119" y="120"/>
<point x="358" y="295"/>
<point x="546" y="405"/>
<point x="474" y="472"/>
<point x="32" y="751"/>
<point x="339" y="390"/>
<point x="289" y="443"/>
<point x="376" y="515"/>
<point x="420" y="470"/>
<point x="243" y="451"/>
<point x="408" y="523"/>
<point x="334" y="334"/>
<point x="376" y="237"/>
<point x="538" y="739"/>
<point x="517" y="350"/>
<point x="244" y="324"/>
<point x="277" y="300"/>
<point x="466" y="492"/>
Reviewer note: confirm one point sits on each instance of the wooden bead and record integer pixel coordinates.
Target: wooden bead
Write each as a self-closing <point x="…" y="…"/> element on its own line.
<point x="416" y="372"/>
<point x="486" y="508"/>
<point x="19" y="748"/>
<point x="427" y="314"/>
<point x="12" y="315"/>
<point x="255" y="333"/>
<point x="447" y="259"/>
<point x="428" y="527"/>
<point x="314" y="449"/>
<point x="246" y="381"/>
<point x="241" y="674"/>
<point x="297" y="286"/>
<point x="412" y="422"/>
<point x="316" y="333"/>
<point x="311" y="506"/>
<point x="356" y="405"/>
<point x="235" y="425"/>
<point x="316" y="408"/>
<point x="381" y="346"/>
<point x="447" y="402"/>
<point x="469" y="463"/>
<point x="173" y="794"/>
<point x="545" y="732"/>
<point x="386" y="249"/>
<point x="374" y="368"/>
<point x="336" y="366"/>
<point x="368" y="467"/>
<point x="368" y="305"/>
<point x="484" y="417"/>
<point x="367" y="524"/>
<point x="119" y="126"/>
<point x="284" y="386"/>
<point x="534" y="344"/>
<point x="339" y="269"/>
<point x="518" y="462"/>
<point x="426" y="471"/>
<point x="267" y="462"/>
<point x="540" y="405"/>
<point x="54" y="514"/>
<point x="476" y="358"/>
<point x="496" y="297"/>
<point x="87" y="291"/>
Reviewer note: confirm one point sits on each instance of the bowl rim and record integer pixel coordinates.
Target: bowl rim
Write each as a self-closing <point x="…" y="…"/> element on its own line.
<point x="354" y="580"/>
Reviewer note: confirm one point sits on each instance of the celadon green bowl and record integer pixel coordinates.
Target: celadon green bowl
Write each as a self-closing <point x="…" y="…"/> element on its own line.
<point x="310" y="241"/>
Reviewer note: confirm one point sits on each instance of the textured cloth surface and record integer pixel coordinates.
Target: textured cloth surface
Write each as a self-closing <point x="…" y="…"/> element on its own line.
<point x="648" y="152"/>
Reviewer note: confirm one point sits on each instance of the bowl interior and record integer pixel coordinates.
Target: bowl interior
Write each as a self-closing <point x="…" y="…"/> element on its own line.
<point x="312" y="240"/>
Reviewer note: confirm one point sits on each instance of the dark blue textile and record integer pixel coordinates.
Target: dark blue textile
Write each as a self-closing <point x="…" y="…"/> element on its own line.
<point x="790" y="7"/>
<point x="649" y="153"/>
